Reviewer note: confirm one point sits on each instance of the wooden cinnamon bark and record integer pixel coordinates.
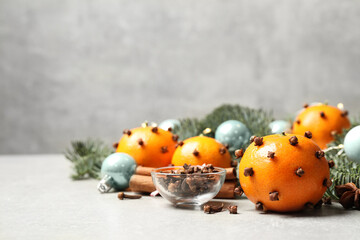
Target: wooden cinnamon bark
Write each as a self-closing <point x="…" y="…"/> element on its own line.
<point x="140" y="183"/>
<point x="230" y="173"/>
<point x="146" y="171"/>
<point x="227" y="190"/>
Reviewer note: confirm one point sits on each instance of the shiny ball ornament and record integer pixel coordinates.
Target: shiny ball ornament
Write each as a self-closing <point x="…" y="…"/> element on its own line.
<point x="169" y="123"/>
<point x="352" y="144"/>
<point x="279" y="126"/>
<point x="116" y="171"/>
<point x="233" y="133"/>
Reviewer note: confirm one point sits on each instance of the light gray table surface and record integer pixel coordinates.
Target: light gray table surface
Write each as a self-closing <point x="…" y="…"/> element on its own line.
<point x="38" y="200"/>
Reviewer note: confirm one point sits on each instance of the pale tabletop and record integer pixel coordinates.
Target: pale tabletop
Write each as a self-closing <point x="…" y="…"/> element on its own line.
<point x="38" y="200"/>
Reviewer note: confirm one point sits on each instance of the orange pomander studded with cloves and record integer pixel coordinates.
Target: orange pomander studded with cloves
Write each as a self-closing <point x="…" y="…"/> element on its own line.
<point x="149" y="146"/>
<point x="284" y="173"/>
<point x="323" y="121"/>
<point x="199" y="150"/>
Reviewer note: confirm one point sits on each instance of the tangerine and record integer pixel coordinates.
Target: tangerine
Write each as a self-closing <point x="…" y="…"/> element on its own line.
<point x="149" y="146"/>
<point x="284" y="173"/>
<point x="323" y="121"/>
<point x="201" y="150"/>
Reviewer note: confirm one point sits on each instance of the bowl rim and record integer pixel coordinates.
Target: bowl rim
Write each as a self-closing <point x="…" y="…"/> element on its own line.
<point x="156" y="171"/>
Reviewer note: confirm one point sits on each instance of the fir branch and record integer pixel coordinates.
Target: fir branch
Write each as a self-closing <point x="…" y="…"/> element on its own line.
<point x="345" y="170"/>
<point x="87" y="157"/>
<point x="257" y="120"/>
<point x="190" y="127"/>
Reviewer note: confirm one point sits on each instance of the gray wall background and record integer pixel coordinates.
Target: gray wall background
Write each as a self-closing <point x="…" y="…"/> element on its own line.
<point x="74" y="69"/>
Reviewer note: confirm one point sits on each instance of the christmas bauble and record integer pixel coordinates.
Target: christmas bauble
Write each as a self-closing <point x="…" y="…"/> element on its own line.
<point x="352" y="144"/>
<point x="169" y="123"/>
<point x="233" y="133"/>
<point x="279" y="126"/>
<point x="119" y="167"/>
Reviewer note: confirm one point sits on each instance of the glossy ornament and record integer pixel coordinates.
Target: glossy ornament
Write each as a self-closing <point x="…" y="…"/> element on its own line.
<point x="169" y="123"/>
<point x="279" y="126"/>
<point x="352" y="144"/>
<point x="233" y="133"/>
<point x="116" y="171"/>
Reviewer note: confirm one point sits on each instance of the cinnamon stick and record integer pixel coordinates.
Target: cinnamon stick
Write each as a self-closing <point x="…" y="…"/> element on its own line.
<point x="227" y="190"/>
<point x="146" y="171"/>
<point x="230" y="173"/>
<point x="140" y="183"/>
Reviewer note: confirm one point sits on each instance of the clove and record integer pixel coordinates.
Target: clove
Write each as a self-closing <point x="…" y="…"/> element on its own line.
<point x="154" y="129"/>
<point x="196" y="152"/>
<point x="210" y="209"/>
<point x="327" y="183"/>
<point x="232" y="209"/>
<point x="258" y="141"/>
<point x="175" y="137"/>
<point x="140" y="142"/>
<point x="319" y="154"/>
<point x="164" y="149"/>
<point x="299" y="172"/>
<point x="222" y="150"/>
<point x="248" y="172"/>
<point x="331" y="163"/>
<point x="260" y="206"/>
<point x="127" y="132"/>
<point x="239" y="153"/>
<point x="115" y="145"/>
<point x="122" y="195"/>
<point x="308" y="134"/>
<point x="293" y="140"/>
<point x="274" y="196"/>
<point x="271" y="154"/>
<point x="344" y="113"/>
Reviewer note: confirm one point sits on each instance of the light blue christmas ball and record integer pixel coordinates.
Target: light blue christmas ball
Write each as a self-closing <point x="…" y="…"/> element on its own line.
<point x="120" y="167"/>
<point x="279" y="126"/>
<point x="352" y="144"/>
<point x="169" y="123"/>
<point x="233" y="133"/>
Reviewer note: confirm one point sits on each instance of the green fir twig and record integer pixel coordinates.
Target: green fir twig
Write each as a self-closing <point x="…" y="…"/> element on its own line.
<point x="87" y="157"/>
<point x="345" y="170"/>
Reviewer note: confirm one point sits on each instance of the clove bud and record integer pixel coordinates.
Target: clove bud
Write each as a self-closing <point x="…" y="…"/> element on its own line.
<point x="122" y="195"/>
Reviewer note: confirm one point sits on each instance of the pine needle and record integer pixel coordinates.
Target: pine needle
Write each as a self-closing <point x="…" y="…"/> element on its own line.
<point x="87" y="157"/>
<point x="345" y="170"/>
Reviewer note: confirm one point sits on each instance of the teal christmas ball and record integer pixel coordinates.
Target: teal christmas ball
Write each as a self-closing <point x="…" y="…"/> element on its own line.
<point x="233" y="133"/>
<point x="352" y="144"/>
<point x="169" y="123"/>
<point x="279" y="126"/>
<point x="120" y="167"/>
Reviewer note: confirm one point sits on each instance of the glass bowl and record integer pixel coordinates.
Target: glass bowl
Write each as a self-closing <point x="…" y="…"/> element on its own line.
<point x="188" y="189"/>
